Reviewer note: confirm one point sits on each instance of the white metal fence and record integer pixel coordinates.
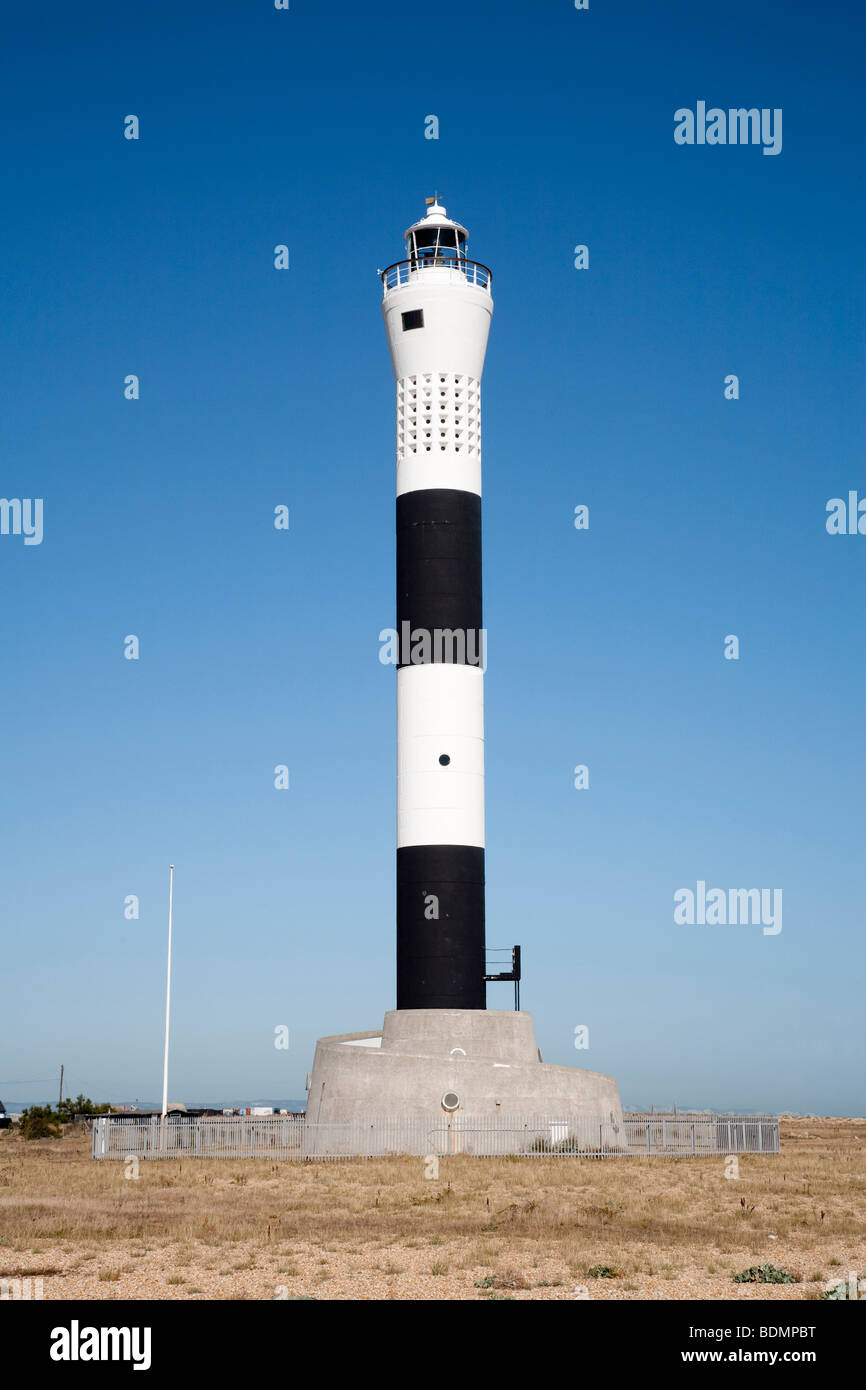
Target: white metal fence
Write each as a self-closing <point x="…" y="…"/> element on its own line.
<point x="294" y="1137"/>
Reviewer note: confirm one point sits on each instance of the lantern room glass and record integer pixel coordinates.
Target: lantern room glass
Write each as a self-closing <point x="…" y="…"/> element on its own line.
<point x="436" y="245"/>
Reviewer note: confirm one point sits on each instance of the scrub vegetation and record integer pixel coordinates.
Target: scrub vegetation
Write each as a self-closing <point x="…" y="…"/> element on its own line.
<point x="525" y="1228"/>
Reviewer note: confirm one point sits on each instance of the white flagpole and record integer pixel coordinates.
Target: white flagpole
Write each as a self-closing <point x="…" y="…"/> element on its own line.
<point x="167" y="995"/>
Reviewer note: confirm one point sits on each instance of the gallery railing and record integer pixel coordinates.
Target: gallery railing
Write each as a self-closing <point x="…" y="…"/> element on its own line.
<point x="404" y="272"/>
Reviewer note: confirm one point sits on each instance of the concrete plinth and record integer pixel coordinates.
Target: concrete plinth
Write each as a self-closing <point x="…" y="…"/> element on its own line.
<point x="486" y="1059"/>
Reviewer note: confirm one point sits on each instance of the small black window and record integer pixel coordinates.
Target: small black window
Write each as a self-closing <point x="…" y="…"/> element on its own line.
<point x="444" y="759"/>
<point x="413" y="319"/>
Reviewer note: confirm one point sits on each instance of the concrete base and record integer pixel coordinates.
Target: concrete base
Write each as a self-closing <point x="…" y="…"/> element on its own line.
<point x="487" y="1059"/>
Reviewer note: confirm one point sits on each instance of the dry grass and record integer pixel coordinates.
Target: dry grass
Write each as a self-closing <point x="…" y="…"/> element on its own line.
<point x="517" y="1228"/>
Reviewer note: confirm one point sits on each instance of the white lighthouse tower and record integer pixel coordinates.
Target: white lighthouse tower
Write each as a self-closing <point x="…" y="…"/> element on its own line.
<point x="437" y="306"/>
<point x="441" y="1051"/>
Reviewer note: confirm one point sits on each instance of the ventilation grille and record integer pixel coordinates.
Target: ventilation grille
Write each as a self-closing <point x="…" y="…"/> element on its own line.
<point x="436" y="412"/>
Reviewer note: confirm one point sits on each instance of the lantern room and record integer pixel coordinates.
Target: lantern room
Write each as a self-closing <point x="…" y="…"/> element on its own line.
<point x="436" y="240"/>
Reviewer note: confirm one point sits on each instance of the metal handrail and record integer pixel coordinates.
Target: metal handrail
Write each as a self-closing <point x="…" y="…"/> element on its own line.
<point x="400" y="272"/>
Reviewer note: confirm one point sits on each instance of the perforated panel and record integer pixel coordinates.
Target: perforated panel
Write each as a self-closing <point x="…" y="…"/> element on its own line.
<point x="438" y="412"/>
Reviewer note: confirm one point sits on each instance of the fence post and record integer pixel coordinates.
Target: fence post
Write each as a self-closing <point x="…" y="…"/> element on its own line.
<point x="646" y="1130"/>
<point x="693" y="1136"/>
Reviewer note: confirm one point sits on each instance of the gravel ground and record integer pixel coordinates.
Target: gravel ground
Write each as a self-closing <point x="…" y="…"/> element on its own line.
<point x="376" y="1271"/>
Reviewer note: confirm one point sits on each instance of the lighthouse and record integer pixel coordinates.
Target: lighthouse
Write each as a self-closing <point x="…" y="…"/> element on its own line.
<point x="437" y="305"/>
<point x="441" y="1056"/>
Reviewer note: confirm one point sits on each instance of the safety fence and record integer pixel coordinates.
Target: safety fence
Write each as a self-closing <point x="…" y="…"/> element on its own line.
<point x="294" y="1137"/>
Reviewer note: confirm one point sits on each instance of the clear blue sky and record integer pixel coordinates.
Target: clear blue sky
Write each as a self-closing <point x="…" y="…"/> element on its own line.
<point x="261" y="387"/>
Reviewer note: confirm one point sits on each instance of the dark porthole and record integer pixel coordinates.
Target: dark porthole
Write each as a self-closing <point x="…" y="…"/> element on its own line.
<point x="444" y="759"/>
<point x="413" y="318"/>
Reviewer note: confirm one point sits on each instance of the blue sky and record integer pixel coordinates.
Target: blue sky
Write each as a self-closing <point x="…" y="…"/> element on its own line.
<point x="261" y="387"/>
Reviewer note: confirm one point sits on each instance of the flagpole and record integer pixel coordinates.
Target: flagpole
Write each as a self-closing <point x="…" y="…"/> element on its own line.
<point x="167" y="995"/>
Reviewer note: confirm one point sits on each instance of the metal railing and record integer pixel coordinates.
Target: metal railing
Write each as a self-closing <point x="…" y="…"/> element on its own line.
<point x="294" y="1137"/>
<point x="402" y="272"/>
<point x="702" y="1133"/>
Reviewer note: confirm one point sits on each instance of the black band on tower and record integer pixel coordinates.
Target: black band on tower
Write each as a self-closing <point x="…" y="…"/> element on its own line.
<point x="439" y="572"/>
<point x="440" y="927"/>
